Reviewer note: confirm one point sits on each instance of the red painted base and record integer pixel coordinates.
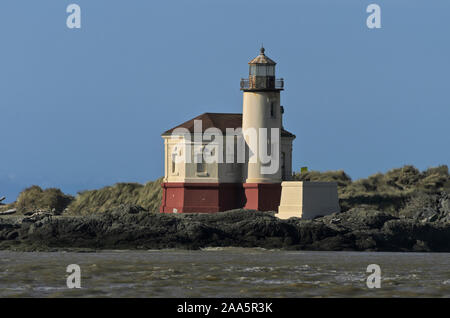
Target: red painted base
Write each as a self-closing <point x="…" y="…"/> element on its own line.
<point x="262" y="196"/>
<point x="179" y="197"/>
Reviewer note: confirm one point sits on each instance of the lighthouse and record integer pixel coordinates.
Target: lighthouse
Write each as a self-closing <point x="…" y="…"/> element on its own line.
<point x="255" y="183"/>
<point x="263" y="181"/>
<point x="262" y="116"/>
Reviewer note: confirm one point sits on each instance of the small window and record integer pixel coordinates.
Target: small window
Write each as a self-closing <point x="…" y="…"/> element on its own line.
<point x="173" y="162"/>
<point x="272" y="110"/>
<point x="201" y="167"/>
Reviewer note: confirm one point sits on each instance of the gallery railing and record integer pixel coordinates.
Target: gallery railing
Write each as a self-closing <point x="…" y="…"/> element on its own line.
<point x="258" y="83"/>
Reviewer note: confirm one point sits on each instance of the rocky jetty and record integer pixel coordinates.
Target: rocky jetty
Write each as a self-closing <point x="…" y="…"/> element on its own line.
<point x="403" y="209"/>
<point x="132" y="227"/>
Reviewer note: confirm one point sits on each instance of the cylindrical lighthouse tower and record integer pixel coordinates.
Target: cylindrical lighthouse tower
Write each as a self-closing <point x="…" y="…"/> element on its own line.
<point x="262" y="116"/>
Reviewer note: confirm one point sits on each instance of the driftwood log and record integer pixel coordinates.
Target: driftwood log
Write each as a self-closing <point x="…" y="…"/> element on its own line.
<point x="7" y="212"/>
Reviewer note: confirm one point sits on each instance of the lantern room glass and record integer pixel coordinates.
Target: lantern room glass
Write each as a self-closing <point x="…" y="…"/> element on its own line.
<point x="262" y="70"/>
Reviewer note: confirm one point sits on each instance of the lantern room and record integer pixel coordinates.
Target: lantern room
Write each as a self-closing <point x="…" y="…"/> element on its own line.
<point x="262" y="74"/>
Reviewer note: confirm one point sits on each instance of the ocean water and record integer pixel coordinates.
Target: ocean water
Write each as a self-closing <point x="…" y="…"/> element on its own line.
<point x="224" y="272"/>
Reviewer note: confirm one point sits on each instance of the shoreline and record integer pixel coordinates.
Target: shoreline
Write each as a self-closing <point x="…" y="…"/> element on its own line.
<point x="207" y="249"/>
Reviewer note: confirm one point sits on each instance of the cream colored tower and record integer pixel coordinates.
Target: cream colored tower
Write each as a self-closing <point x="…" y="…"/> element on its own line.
<point x="262" y="110"/>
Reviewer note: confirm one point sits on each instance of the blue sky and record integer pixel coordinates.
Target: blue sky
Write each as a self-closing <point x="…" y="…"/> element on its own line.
<point x="80" y="109"/>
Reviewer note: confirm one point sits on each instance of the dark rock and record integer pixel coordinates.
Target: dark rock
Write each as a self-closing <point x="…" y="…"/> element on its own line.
<point x="428" y="207"/>
<point x="12" y="235"/>
<point x="131" y="227"/>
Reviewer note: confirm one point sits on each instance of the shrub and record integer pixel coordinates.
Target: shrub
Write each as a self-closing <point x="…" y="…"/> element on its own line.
<point x="387" y="192"/>
<point x="34" y="198"/>
<point x="339" y="176"/>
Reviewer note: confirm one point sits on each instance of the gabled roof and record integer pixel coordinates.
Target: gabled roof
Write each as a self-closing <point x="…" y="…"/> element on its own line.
<point x="222" y="121"/>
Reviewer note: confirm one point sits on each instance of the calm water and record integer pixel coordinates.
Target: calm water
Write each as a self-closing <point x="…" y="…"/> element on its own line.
<point x="224" y="272"/>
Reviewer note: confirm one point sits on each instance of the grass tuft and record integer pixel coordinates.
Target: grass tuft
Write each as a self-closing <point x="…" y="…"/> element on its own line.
<point x="148" y="196"/>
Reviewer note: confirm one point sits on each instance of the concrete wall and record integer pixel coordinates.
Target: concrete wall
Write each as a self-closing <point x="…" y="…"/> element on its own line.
<point x="308" y="200"/>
